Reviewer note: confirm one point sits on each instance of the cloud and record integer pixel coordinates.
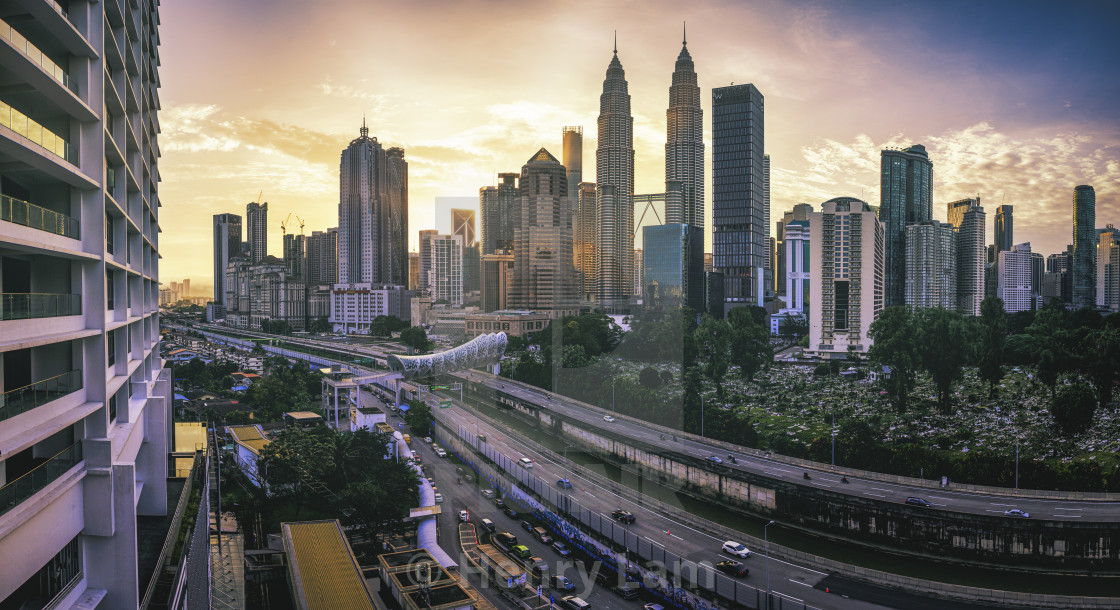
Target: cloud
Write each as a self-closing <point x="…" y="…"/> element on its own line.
<point x="1034" y="173"/>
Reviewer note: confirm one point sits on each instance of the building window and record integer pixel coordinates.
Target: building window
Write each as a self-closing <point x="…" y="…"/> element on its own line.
<point x="109" y="290"/>
<point x="111" y="347"/>
<point x="840" y="321"/>
<point x="113" y="408"/>
<point x="108" y="233"/>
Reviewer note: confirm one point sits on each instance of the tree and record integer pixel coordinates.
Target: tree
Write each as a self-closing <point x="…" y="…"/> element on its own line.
<point x="384" y="326"/>
<point x="713" y="340"/>
<point x="895" y="345"/>
<point x="415" y="337"/>
<point x="1020" y="350"/>
<point x="1072" y="407"/>
<point x="796" y="325"/>
<point x="750" y="341"/>
<point x="575" y="357"/>
<point x="419" y="417"/>
<point x="295" y="458"/>
<point x="1048" y="369"/>
<point x="649" y="378"/>
<point x="1101" y="361"/>
<point x="993" y="321"/>
<point x="691" y="386"/>
<point x="321" y="325"/>
<point x="946" y="342"/>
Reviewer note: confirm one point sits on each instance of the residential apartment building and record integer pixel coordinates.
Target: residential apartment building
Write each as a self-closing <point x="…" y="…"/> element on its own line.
<point x="84" y="414"/>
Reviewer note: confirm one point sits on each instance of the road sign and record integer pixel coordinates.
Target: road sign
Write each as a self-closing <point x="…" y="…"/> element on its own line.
<point x="441" y="387"/>
<point x="445" y="403"/>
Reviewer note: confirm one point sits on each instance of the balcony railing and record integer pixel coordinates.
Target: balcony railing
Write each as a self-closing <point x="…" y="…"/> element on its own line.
<point x="15" y="492"/>
<point x="36" y="56"/>
<point x="26" y="127"/>
<point x="21" y="400"/>
<point x="18" y="306"/>
<point x="30" y="215"/>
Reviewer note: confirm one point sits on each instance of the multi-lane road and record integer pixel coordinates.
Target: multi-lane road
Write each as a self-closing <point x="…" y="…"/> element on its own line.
<point x="940" y="499"/>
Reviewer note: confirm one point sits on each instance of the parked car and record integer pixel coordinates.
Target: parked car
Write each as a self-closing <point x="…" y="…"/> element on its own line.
<point x="734" y="548"/>
<point x="488" y="525"/>
<point x="715" y="459"/>
<point x="564" y="484"/>
<point x="500" y="503"/>
<point x="488" y="494"/>
<point x="428" y="439"/>
<point x="628" y="590"/>
<point x="525" y="525"/>
<point x="562" y="582"/>
<point x="623" y="516"/>
<point x="561" y="548"/>
<point x="512" y="514"/>
<point x="733" y="568"/>
<point x="542" y="534"/>
<point x="914" y="501"/>
<point x="608" y="418"/>
<point x="572" y="602"/>
<point x="1015" y="512"/>
<point x="439" y="498"/>
<point x="440" y="452"/>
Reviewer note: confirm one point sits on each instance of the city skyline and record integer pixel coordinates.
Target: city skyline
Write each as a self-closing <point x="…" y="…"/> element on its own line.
<point x="835" y="100"/>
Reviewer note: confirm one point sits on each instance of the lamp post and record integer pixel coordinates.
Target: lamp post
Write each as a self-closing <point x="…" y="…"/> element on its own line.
<point x="766" y="539"/>
<point x="833" y="438"/>
<point x="566" y="453"/>
<point x="701" y="415"/>
<point x="613" y="379"/>
<point x="1016" y="459"/>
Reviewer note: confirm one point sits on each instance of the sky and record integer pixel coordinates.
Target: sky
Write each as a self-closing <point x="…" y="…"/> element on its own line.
<point x="1015" y="101"/>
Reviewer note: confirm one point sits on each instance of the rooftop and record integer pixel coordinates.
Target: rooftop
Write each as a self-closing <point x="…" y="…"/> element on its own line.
<point x="323" y="570"/>
<point x="249" y="437"/>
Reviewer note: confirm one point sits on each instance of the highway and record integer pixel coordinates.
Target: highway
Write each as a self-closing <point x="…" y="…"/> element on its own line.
<point x="791" y="582"/>
<point x="940" y="499"/>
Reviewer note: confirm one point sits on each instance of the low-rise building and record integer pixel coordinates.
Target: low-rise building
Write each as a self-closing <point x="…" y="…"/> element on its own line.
<point x="354" y="306"/>
<point x="366" y="417"/>
<point x="514" y="323"/>
<point x="323" y="572"/>
<point x="249" y="440"/>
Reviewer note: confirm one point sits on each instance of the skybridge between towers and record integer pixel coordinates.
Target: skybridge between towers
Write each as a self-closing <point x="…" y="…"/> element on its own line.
<point x="346" y="382"/>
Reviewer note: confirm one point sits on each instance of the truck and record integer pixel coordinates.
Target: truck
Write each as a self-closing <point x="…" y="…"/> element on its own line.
<point x="407" y="440"/>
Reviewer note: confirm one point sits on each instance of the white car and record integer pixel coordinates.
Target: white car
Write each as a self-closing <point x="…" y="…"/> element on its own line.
<point x="440" y="452"/>
<point x="525" y="462"/>
<point x="428" y="439"/>
<point x="464" y="516"/>
<point x="439" y="498"/>
<point x="608" y="418"/>
<point x="734" y="548"/>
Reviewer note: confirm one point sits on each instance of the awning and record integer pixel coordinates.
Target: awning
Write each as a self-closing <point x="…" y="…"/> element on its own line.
<point x="403" y="407"/>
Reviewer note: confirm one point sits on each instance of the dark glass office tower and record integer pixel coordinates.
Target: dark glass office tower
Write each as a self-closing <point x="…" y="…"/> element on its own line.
<point x="1005" y="237"/>
<point x="906" y="197"/>
<point x="739" y="230"/>
<point x="1084" y="247"/>
<point x="673" y="266"/>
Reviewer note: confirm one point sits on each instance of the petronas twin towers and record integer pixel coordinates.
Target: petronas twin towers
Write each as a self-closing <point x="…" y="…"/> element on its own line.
<point x="614" y="166"/>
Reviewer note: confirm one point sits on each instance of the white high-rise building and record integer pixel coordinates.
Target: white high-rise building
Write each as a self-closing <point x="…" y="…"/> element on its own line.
<point x="967" y="217"/>
<point x="1014" y="285"/>
<point x="85" y="398"/>
<point x="445" y="273"/>
<point x="848" y="251"/>
<point x="798" y="246"/>
<point x="931" y="265"/>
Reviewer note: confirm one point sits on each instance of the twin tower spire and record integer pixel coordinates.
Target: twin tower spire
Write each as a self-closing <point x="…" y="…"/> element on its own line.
<point x="614" y="164"/>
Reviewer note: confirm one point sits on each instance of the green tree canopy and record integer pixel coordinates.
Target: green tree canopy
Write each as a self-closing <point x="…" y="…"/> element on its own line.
<point x="1073" y="407"/>
<point x="946" y="342"/>
<point x="894" y="337"/>
<point x="713" y="341"/>
<point x="993" y="321"/>
<point x="416" y="338"/>
<point x="295" y="458"/>
<point x="750" y="340"/>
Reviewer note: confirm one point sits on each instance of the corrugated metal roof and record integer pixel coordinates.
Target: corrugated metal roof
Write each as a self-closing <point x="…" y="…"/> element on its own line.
<point x="249" y="437"/>
<point x="324" y="572"/>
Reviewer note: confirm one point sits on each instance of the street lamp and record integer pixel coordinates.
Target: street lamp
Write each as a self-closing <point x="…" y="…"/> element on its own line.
<point x="566" y="453"/>
<point x="766" y="539"/>
<point x="701" y="415"/>
<point x="613" y="379"/>
<point x="833" y="438"/>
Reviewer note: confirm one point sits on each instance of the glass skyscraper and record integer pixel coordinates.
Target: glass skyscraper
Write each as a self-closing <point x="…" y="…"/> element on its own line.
<point x="614" y="176"/>
<point x="684" y="146"/>
<point x="673" y="266"/>
<point x="1005" y="234"/>
<point x="372" y="212"/>
<point x="906" y="196"/>
<point x="739" y="230"/>
<point x="1085" y="238"/>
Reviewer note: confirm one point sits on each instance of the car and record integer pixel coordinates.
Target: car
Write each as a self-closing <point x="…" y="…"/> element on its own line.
<point x="608" y="419"/>
<point x="1015" y="512"/>
<point x="564" y="483"/>
<point x="525" y="462"/>
<point x="915" y="501"/>
<point x="512" y="514"/>
<point x="439" y="498"/>
<point x="525" y="525"/>
<point x="428" y="439"/>
<point x="521" y="551"/>
<point x="465" y="516"/>
<point x="715" y="459"/>
<point x="440" y="452"/>
<point x="654" y="607"/>
<point x="504" y="540"/>
<point x="733" y="568"/>
<point x="562" y="582"/>
<point x="542" y="535"/>
<point x="572" y="602"/>
<point x="623" y="516"/>
<point x="500" y="503"/>
<point x="627" y="590"/>
<point x="488" y="494"/>
<point x="734" y="548"/>
<point x="561" y="548"/>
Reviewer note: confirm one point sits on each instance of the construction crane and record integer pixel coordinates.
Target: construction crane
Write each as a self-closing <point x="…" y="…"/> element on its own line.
<point x="259" y="196"/>
<point x="284" y="224"/>
<point x="300" y="225"/>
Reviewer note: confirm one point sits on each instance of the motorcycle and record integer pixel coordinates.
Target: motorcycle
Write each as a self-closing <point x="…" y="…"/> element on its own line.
<point x="843" y="479"/>
<point x="806" y="476"/>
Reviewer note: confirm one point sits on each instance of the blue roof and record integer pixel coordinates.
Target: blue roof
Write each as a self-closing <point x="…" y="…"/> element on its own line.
<point x="239" y="388"/>
<point x="180" y="397"/>
<point x="404" y="407"/>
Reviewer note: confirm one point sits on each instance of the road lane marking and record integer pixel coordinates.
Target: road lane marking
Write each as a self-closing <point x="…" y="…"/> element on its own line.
<point x="868" y="493"/>
<point x="997" y="504"/>
<point x="803" y="584"/>
<point x="1067" y="508"/>
<point x="940" y="498"/>
<point x="823" y="485"/>
<point x="932" y="504"/>
<point x="886" y="490"/>
<point x="789" y="597"/>
<point x="990" y="510"/>
<point x="1069" y="516"/>
<point x="676" y="536"/>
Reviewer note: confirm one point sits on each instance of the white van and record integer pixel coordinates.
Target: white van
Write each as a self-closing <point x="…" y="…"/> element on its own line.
<point x="525" y="462"/>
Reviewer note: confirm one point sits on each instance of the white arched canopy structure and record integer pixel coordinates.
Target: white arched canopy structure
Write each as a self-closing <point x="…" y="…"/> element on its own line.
<point x="482" y="350"/>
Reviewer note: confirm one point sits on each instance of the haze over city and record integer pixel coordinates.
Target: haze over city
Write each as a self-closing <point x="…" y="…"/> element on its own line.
<point x="1013" y="103"/>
